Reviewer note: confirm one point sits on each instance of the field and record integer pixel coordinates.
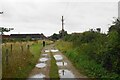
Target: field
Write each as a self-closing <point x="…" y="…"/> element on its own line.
<point x="19" y="58"/>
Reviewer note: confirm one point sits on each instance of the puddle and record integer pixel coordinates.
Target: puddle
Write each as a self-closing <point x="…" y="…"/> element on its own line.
<point x="64" y="73"/>
<point x="3" y="43"/>
<point x="58" y="57"/>
<point x="61" y="63"/>
<point x="38" y="76"/>
<point x="40" y="65"/>
<point x="43" y="59"/>
<point x="54" y="50"/>
<point x="47" y="50"/>
<point x="44" y="55"/>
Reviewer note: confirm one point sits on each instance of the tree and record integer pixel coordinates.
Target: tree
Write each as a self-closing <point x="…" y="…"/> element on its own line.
<point x="111" y="59"/>
<point x="98" y="30"/>
<point x="55" y="36"/>
<point x="115" y="26"/>
<point x="2" y="29"/>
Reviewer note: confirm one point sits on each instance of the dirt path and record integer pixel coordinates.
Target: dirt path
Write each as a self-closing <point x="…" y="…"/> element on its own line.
<point x="66" y="69"/>
<point x="42" y="72"/>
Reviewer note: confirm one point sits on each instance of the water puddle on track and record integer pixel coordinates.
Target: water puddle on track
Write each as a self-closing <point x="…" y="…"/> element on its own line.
<point x="58" y="57"/>
<point x="64" y="73"/>
<point x="54" y="50"/>
<point x="44" y="55"/>
<point x="43" y="59"/>
<point x="61" y="63"/>
<point x="47" y="50"/>
<point x="40" y="75"/>
<point x="40" y="65"/>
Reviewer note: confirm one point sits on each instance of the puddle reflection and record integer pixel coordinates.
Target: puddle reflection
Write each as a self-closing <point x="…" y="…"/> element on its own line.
<point x="38" y="76"/>
<point x="40" y="65"/>
<point x="43" y="59"/>
<point x="64" y="73"/>
<point x="54" y="50"/>
<point x="61" y="63"/>
<point x="47" y="50"/>
<point x="44" y="55"/>
<point x="58" y="57"/>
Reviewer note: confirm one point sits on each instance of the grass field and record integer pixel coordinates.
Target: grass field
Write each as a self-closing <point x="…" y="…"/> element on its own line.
<point x="20" y="63"/>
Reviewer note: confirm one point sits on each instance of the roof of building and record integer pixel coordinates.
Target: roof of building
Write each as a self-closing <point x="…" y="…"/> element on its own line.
<point x="27" y="35"/>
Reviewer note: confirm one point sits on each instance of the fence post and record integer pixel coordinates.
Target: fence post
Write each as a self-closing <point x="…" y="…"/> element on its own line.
<point x="28" y="46"/>
<point x="6" y="57"/>
<point x="22" y="48"/>
<point x="11" y="47"/>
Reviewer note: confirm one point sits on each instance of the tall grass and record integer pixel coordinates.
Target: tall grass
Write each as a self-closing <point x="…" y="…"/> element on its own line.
<point x="84" y="63"/>
<point x="20" y="63"/>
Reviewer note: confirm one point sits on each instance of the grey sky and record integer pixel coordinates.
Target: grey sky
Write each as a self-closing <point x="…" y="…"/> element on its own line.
<point x="45" y="17"/>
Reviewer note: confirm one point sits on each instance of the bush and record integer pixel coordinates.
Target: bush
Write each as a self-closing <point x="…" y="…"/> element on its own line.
<point x="85" y="59"/>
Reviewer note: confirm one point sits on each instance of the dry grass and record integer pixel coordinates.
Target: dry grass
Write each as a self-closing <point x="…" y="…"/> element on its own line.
<point x="20" y="62"/>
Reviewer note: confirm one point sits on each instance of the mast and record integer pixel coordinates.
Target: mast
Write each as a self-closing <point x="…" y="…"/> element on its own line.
<point x="62" y="23"/>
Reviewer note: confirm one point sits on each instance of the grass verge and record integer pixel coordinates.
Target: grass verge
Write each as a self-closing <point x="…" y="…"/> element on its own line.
<point x="53" y="68"/>
<point x="84" y="63"/>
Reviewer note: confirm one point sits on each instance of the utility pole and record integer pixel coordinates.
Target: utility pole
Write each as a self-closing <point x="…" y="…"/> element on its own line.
<point x="62" y="23"/>
<point x="62" y="32"/>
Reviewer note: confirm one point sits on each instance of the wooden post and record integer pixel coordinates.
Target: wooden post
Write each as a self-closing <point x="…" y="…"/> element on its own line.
<point x="28" y="47"/>
<point x="6" y="58"/>
<point x="22" y="48"/>
<point x="11" y="48"/>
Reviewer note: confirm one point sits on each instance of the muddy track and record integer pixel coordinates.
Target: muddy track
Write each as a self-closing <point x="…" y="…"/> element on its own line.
<point x="66" y="69"/>
<point x="44" y="71"/>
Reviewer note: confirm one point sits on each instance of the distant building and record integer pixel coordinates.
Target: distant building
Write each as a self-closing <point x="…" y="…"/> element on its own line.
<point x="31" y="36"/>
<point x="5" y="36"/>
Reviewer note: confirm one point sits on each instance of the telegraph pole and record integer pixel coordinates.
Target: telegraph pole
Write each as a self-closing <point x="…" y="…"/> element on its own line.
<point x="62" y="23"/>
<point x="62" y="32"/>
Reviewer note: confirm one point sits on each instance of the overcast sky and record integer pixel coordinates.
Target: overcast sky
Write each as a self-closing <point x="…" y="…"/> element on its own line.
<point x="30" y="16"/>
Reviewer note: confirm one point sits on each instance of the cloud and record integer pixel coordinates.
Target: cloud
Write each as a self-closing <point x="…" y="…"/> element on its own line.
<point x="45" y="17"/>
